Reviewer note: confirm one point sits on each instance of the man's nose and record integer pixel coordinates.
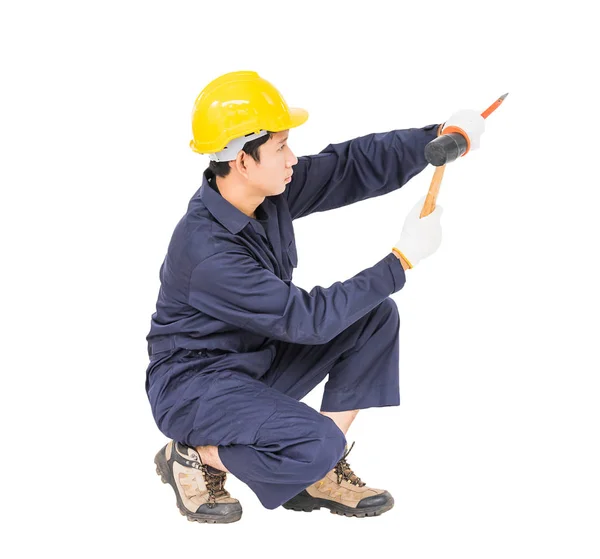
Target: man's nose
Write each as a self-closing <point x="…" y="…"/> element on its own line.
<point x="292" y="160"/>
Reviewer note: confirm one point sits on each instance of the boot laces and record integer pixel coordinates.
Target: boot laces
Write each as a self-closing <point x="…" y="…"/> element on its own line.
<point x="214" y="481"/>
<point x="215" y="484"/>
<point x="344" y="471"/>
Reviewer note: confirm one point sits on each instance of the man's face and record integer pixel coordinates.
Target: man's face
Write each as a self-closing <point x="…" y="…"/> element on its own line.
<point x="271" y="176"/>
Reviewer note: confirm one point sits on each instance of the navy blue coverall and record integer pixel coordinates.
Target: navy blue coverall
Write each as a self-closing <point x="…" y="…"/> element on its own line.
<point x="234" y="344"/>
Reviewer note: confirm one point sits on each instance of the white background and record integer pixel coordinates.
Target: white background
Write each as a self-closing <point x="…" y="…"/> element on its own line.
<point x="494" y="451"/>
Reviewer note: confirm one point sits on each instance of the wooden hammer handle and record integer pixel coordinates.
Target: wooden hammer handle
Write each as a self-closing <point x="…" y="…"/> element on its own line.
<point x="434" y="189"/>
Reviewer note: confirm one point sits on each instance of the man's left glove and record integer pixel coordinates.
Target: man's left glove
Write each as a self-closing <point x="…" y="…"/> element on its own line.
<point x="420" y="237"/>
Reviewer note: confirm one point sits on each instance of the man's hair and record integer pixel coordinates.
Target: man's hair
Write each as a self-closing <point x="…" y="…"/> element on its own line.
<point x="222" y="168"/>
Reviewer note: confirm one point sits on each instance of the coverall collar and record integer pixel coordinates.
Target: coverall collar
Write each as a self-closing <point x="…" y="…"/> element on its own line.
<point x="225" y="212"/>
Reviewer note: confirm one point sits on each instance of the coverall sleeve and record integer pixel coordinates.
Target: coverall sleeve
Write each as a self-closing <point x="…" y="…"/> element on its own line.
<point x="233" y="287"/>
<point x="357" y="169"/>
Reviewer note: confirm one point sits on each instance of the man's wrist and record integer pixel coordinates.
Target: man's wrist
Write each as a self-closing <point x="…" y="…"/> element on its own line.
<point x="405" y="263"/>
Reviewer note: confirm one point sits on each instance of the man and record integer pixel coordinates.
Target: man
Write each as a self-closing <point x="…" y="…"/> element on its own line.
<point x="234" y="344"/>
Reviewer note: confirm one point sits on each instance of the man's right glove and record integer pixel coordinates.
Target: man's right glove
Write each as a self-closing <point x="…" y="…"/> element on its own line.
<point x="468" y="121"/>
<point x="420" y="237"/>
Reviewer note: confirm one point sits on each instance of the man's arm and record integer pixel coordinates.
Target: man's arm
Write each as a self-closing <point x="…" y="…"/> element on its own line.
<point x="357" y="169"/>
<point x="234" y="288"/>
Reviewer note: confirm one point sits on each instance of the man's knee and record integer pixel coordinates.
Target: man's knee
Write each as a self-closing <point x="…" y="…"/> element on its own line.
<point x="330" y="450"/>
<point x="302" y="443"/>
<point x="388" y="309"/>
<point x="320" y="445"/>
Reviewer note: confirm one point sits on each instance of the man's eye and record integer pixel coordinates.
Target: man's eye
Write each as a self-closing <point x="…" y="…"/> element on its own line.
<point x="281" y="148"/>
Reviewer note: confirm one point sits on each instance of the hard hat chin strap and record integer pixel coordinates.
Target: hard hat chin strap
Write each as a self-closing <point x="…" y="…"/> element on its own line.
<point x="230" y="151"/>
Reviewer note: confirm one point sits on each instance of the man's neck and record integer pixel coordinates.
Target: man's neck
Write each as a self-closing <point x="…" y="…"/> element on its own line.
<point x="233" y="193"/>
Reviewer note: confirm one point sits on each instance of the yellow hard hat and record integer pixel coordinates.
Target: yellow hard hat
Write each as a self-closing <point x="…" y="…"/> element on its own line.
<point x="237" y="104"/>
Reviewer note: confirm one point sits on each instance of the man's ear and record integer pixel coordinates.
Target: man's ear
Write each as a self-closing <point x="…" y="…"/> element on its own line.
<point x="240" y="163"/>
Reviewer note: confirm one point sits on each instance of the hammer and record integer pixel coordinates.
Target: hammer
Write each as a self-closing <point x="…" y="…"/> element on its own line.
<point x="445" y="149"/>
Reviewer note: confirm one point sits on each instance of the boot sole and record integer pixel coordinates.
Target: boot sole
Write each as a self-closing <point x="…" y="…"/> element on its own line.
<point x="162" y="469"/>
<point x="303" y="503"/>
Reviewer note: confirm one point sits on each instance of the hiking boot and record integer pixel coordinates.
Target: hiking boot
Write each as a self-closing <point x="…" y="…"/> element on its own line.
<point x="199" y="488"/>
<point x="342" y="492"/>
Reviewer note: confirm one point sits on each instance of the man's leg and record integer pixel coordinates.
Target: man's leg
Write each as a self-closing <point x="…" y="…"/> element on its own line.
<point x="210" y="456"/>
<point x="343" y="419"/>
<point x="270" y="441"/>
<point x="362" y="365"/>
<point x="276" y="444"/>
<point x="176" y="391"/>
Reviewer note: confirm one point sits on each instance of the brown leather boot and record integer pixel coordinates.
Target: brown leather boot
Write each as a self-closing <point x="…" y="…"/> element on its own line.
<point x="342" y="492"/>
<point x="199" y="489"/>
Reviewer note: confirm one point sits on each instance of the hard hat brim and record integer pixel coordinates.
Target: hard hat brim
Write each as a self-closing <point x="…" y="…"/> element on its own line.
<point x="297" y="117"/>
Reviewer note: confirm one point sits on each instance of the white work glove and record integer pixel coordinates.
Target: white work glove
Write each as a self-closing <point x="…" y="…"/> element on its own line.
<point x="469" y="122"/>
<point x="420" y="237"/>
